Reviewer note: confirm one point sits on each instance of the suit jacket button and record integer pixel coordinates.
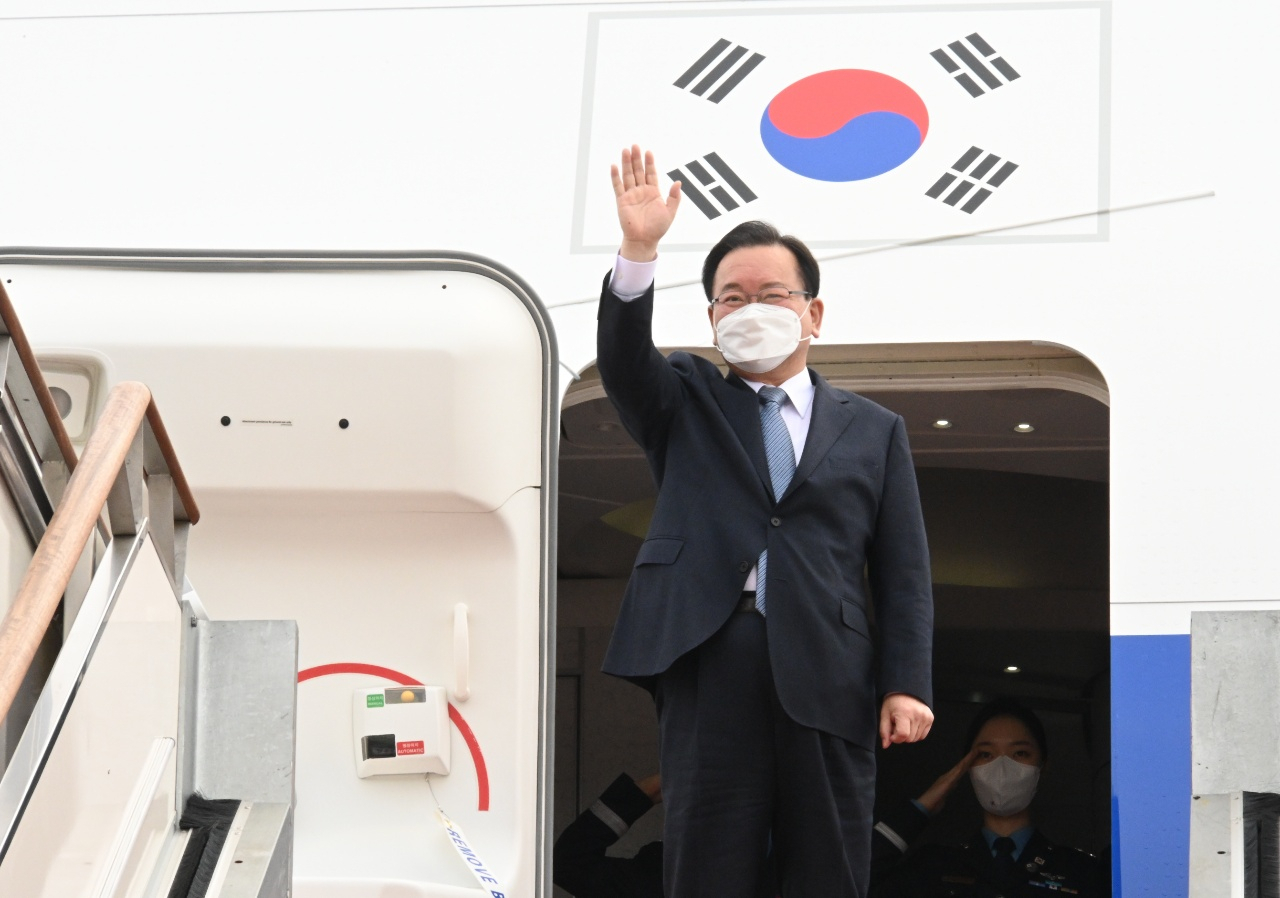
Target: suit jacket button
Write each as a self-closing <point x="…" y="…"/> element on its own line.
<point x="745" y="566"/>
<point x="777" y="522"/>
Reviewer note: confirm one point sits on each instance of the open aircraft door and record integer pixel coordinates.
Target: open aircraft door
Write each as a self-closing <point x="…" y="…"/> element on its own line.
<point x="372" y="439"/>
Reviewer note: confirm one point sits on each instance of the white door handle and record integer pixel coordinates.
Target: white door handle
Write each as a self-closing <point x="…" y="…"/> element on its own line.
<point x="461" y="653"/>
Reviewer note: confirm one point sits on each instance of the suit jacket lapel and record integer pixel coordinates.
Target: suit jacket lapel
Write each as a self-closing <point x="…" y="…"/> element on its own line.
<point x="741" y="408"/>
<point x="828" y="419"/>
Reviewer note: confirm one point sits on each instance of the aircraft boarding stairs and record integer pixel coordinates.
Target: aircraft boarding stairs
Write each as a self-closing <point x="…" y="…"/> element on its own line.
<point x="119" y="697"/>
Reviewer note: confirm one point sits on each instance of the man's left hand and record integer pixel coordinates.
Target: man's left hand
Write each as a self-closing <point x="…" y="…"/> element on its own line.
<point x="903" y="718"/>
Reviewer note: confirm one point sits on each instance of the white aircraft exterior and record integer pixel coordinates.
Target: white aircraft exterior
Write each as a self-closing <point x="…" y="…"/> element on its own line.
<point x="398" y="216"/>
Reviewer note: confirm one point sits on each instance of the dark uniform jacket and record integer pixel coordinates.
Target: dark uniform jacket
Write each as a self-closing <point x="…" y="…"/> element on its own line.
<point x="579" y="863"/>
<point x="969" y="871"/>
<point x="849" y="519"/>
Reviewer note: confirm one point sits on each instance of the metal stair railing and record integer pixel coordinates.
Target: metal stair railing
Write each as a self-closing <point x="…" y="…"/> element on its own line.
<point x="36" y="458"/>
<point x="129" y="468"/>
<point x="237" y="680"/>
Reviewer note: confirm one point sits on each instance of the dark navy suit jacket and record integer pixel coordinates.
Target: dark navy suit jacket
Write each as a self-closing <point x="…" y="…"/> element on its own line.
<point x="847" y="533"/>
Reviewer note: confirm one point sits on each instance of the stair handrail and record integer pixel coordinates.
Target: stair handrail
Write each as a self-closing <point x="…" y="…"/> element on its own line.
<point x="101" y="477"/>
<point x="13" y="329"/>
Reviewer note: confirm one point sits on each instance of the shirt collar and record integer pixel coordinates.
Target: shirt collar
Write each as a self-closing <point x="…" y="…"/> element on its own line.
<point x="1020" y="839"/>
<point x="799" y="390"/>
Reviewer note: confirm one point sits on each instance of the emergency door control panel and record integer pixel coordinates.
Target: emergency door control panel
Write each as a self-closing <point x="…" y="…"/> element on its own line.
<point x="401" y="729"/>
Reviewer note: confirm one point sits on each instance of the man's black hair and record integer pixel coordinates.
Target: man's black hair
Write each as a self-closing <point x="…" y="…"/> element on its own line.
<point x="760" y="233"/>
<point x="1008" y="707"/>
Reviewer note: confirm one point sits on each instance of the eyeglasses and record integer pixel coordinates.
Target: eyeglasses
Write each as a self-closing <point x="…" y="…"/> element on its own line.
<point x="735" y="299"/>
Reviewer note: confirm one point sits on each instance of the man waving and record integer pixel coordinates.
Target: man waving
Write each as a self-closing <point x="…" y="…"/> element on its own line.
<point x="786" y="510"/>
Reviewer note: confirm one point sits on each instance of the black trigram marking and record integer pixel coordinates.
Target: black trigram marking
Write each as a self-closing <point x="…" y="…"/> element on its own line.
<point x="984" y="169"/>
<point x="719" y="189"/>
<point x="728" y="71"/>
<point x="980" y="67"/>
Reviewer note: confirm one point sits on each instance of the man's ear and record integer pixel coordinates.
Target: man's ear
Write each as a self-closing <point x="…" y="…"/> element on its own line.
<point x="815" y="316"/>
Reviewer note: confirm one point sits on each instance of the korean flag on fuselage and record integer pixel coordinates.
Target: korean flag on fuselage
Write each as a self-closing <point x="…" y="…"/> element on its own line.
<point x="868" y="125"/>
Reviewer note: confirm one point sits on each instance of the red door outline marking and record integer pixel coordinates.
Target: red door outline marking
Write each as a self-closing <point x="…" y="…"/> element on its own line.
<point x="373" y="670"/>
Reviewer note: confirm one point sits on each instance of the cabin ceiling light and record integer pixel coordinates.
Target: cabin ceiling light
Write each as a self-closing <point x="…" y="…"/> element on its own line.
<point x="942" y="424"/>
<point x="1023" y="428"/>
<point x="1012" y="668"/>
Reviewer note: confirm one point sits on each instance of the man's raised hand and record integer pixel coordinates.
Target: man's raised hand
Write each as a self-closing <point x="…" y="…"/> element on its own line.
<point x="644" y="213"/>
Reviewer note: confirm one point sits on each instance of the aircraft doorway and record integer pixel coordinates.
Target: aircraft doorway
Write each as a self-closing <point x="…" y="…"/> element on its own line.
<point x="1017" y="518"/>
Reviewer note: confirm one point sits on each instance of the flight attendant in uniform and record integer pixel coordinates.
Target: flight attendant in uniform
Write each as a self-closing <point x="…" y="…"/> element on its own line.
<point x="1009" y="857"/>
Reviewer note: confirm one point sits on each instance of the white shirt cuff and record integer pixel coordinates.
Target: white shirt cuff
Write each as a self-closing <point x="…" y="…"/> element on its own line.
<point x="631" y="279"/>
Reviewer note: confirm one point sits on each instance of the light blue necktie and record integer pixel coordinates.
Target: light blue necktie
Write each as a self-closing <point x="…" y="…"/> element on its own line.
<point x="781" y="455"/>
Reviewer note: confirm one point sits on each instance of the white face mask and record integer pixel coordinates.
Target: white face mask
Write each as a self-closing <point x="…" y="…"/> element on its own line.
<point x="758" y="337"/>
<point x="1004" y="786"/>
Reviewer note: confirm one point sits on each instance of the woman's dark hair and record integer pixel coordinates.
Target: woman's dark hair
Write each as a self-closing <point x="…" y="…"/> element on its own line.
<point x="1008" y="707"/>
<point x="760" y="233"/>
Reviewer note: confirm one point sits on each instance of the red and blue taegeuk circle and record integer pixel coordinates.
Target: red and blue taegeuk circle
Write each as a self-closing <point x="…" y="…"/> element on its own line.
<point x="844" y="125"/>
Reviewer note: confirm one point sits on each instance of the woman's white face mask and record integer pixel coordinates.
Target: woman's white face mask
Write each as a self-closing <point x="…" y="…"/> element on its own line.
<point x="1004" y="786"/>
<point x="759" y="337"/>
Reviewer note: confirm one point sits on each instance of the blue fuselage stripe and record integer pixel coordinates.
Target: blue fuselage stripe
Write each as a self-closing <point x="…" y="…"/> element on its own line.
<point x="1151" y="764"/>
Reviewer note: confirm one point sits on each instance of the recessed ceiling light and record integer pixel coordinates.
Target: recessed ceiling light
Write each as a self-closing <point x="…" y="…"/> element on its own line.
<point x="1012" y="668"/>
<point x="942" y="424"/>
<point x="1023" y="428"/>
